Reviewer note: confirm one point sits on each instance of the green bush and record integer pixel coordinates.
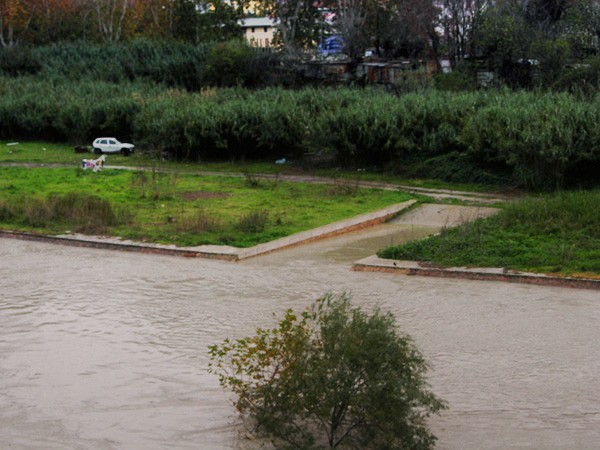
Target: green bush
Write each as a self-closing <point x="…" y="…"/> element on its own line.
<point x="538" y="135"/>
<point x="373" y="128"/>
<point x="174" y="64"/>
<point x="580" y="78"/>
<point x="198" y="222"/>
<point x="460" y="79"/>
<point x="253" y="222"/>
<point x="534" y="140"/>
<point x="224" y="125"/>
<point x="84" y="213"/>
<point x="413" y="81"/>
<point x="228" y="64"/>
<point x="63" y="111"/>
<point x="364" y="130"/>
<point x="332" y="376"/>
<point x="17" y="61"/>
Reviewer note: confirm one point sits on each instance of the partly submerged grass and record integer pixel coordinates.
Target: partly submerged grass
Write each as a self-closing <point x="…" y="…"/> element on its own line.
<point x="556" y="233"/>
<point x="178" y="208"/>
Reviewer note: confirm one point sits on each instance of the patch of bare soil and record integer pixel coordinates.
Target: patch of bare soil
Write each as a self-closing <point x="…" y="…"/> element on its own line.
<point x="203" y="195"/>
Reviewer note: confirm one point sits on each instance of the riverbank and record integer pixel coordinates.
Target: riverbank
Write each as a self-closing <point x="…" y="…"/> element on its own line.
<point x="174" y="208"/>
<point x="223" y="252"/>
<point x="422" y="269"/>
<point x="233" y="253"/>
<point x="554" y="234"/>
<point x="433" y="216"/>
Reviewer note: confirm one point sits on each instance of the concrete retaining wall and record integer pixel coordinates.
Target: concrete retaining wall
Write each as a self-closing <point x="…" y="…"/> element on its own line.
<point x="375" y="264"/>
<point x="226" y="253"/>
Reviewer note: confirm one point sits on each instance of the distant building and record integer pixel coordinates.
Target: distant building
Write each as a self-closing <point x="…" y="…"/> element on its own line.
<point x="259" y="31"/>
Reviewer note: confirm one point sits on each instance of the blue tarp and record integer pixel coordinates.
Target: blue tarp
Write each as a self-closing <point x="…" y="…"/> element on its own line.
<point x="331" y="45"/>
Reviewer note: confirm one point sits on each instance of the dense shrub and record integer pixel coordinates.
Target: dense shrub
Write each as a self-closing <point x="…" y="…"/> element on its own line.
<point x="16" y="61"/>
<point x="228" y="64"/>
<point x="362" y="131"/>
<point x="580" y="78"/>
<point x="531" y="139"/>
<point x="332" y="376"/>
<point x="458" y="80"/>
<point x="172" y="63"/>
<point x="253" y="222"/>
<point x="539" y="136"/>
<point x="375" y="128"/>
<point x="62" y="111"/>
<point x="229" y="124"/>
<point x="83" y="212"/>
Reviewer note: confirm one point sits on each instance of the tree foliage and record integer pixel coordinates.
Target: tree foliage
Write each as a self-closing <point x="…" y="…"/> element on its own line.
<point x="531" y="43"/>
<point x="298" y="23"/>
<point x="459" y="19"/>
<point x="392" y="28"/>
<point x="331" y="376"/>
<point x="219" y="20"/>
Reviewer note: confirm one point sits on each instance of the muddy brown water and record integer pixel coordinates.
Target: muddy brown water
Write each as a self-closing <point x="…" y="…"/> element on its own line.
<point x="108" y="350"/>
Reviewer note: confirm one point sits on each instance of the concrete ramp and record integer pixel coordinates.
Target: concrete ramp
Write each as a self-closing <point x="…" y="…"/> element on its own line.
<point x="443" y="215"/>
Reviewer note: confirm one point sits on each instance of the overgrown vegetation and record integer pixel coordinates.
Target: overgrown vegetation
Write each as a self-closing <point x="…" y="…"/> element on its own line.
<point x="556" y="233"/>
<point x="530" y="140"/>
<point x="177" y="65"/>
<point x="78" y="212"/>
<point x="331" y="376"/>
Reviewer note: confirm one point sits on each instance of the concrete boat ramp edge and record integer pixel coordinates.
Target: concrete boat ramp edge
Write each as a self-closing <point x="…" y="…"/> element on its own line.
<point x="415" y="268"/>
<point x="222" y="252"/>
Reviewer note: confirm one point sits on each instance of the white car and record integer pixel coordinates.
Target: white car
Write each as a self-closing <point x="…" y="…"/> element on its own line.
<point x="111" y="145"/>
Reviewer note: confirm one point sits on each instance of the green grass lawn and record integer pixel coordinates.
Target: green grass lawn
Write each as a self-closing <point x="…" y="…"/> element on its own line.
<point x="174" y="208"/>
<point x="38" y="153"/>
<point x="64" y="154"/>
<point x="554" y="233"/>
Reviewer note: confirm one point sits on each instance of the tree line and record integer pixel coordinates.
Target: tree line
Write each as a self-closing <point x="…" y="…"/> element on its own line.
<point x="38" y="22"/>
<point x="526" y="43"/>
<point x="457" y="28"/>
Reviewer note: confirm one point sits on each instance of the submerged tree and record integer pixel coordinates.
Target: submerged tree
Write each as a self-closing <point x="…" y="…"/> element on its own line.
<point x="332" y="376"/>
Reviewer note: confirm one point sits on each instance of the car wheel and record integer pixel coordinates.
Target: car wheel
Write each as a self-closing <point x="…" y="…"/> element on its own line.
<point x="97" y="151"/>
<point x="125" y="151"/>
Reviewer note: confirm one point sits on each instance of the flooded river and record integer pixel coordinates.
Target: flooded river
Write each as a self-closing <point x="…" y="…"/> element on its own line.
<point x="108" y="350"/>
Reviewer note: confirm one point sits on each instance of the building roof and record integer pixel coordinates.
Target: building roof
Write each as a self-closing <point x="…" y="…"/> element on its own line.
<point x="257" y="22"/>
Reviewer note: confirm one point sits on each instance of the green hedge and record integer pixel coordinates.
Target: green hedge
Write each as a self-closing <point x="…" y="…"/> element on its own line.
<point x="74" y="112"/>
<point x="534" y="140"/>
<point x="540" y="136"/>
<point x="173" y="64"/>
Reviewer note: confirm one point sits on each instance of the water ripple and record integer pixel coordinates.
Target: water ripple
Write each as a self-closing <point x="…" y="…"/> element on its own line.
<point x="103" y="349"/>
